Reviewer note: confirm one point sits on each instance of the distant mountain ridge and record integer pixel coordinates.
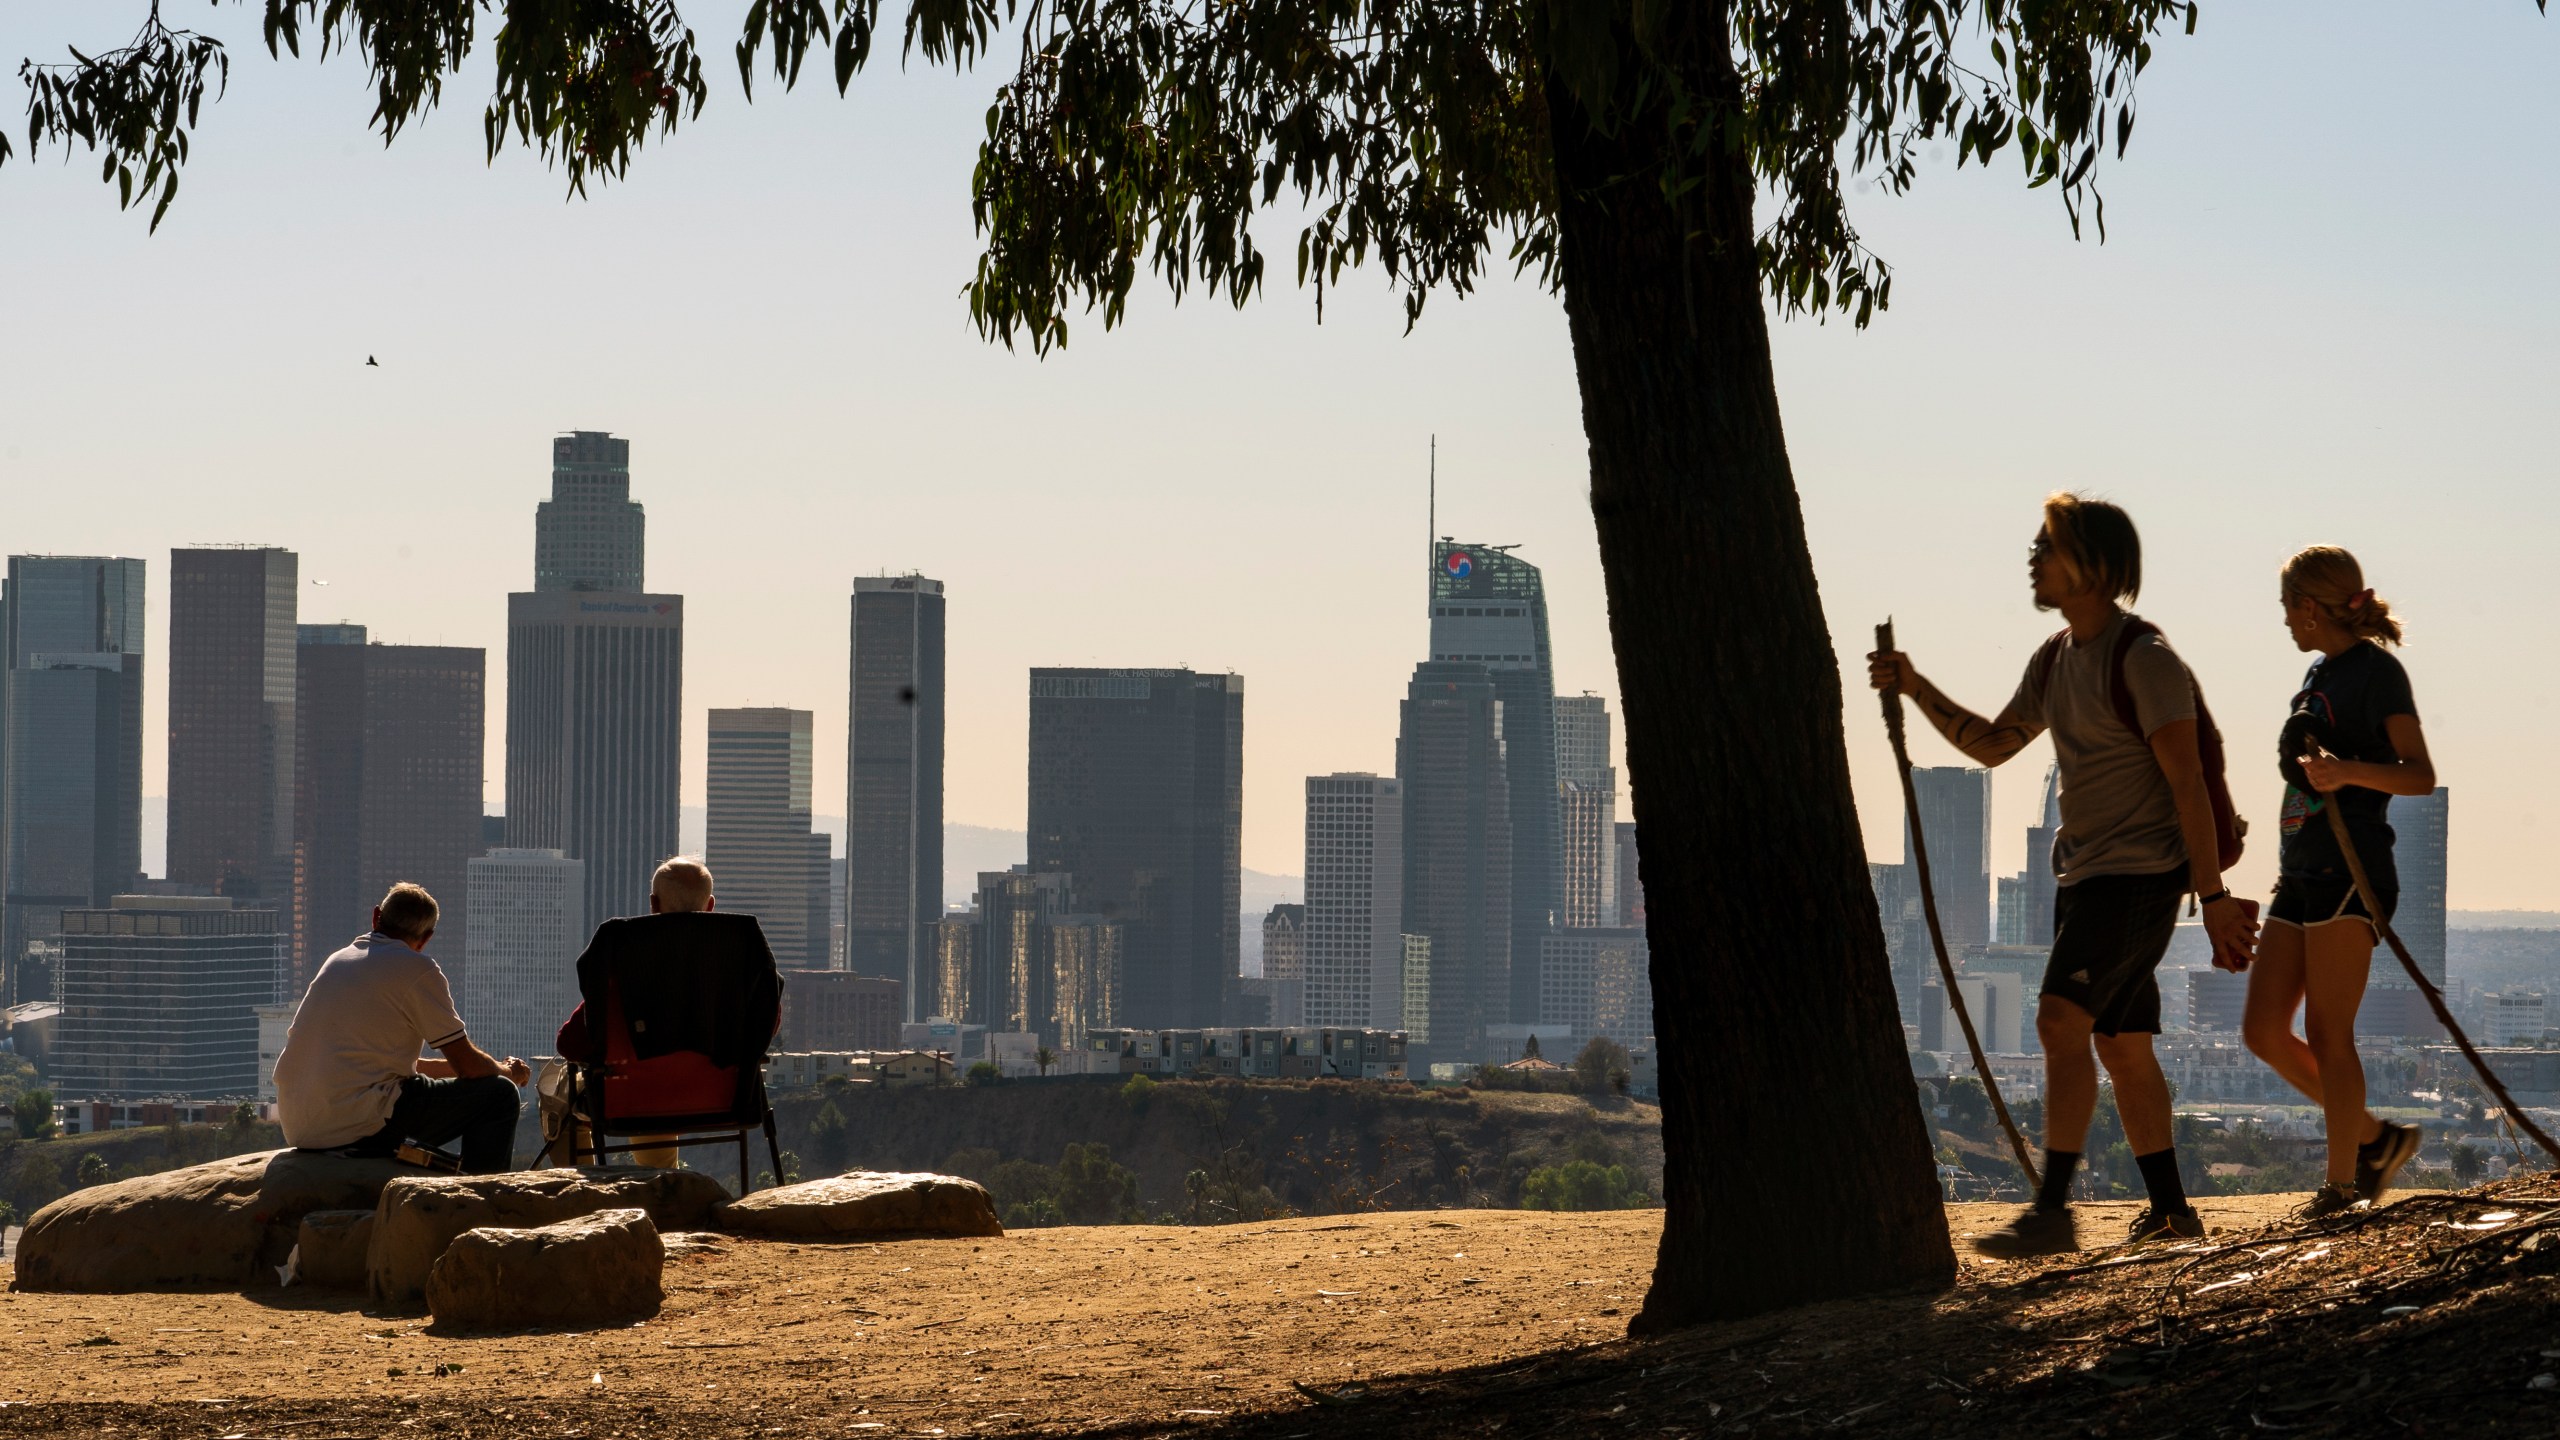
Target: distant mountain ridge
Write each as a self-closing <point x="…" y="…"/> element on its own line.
<point x="968" y="850"/>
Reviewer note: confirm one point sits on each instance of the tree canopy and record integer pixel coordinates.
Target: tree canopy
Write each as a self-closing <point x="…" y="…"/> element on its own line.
<point x="1149" y="133"/>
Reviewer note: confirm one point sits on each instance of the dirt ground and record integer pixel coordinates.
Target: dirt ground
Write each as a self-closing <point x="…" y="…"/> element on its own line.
<point x="1084" y="1328"/>
<point x="1411" y="1325"/>
<point x="1062" y="1328"/>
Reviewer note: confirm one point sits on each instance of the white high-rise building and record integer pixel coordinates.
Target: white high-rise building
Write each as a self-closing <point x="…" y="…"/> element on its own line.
<point x="2516" y="1017"/>
<point x="1597" y="981"/>
<point x="1587" y="799"/>
<point x="1355" y="902"/>
<point x="765" y="858"/>
<point x="527" y="921"/>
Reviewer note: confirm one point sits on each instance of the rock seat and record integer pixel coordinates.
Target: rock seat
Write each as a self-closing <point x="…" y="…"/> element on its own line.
<point x="420" y="1215"/>
<point x="225" y="1223"/>
<point x="330" y="1254"/>
<point x="867" y="1204"/>
<point x="596" y="1269"/>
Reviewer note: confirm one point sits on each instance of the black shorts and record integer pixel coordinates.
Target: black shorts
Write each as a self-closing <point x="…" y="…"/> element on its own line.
<point x="2109" y="932"/>
<point x="2307" y="903"/>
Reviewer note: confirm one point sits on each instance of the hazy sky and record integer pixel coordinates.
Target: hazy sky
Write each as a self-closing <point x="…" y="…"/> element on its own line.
<point x="2324" y="313"/>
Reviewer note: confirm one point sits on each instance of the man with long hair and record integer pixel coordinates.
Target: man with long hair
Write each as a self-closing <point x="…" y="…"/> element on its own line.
<point x="2138" y="836"/>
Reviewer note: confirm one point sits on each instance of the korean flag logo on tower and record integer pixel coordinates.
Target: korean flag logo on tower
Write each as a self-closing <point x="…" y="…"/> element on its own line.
<point x="1459" y="565"/>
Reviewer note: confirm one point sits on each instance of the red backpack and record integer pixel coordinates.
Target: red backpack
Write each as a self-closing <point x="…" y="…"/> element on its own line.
<point x="2230" y="829"/>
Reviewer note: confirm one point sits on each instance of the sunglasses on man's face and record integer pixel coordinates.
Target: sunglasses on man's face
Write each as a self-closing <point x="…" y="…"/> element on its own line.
<point x="2041" y="548"/>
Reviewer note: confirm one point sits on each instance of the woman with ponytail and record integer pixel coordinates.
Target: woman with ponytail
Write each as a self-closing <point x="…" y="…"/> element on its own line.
<point x="2352" y="741"/>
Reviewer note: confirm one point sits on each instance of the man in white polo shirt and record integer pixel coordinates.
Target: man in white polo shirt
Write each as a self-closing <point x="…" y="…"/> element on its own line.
<point x="350" y="1078"/>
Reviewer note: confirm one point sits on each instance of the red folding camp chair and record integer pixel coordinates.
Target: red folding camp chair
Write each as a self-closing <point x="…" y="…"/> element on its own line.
<point x="676" y="1099"/>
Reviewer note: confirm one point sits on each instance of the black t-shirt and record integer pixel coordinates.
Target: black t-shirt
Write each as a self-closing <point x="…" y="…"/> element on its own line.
<point x="2344" y="704"/>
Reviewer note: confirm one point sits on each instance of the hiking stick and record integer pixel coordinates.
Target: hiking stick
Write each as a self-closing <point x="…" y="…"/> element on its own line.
<point x="2426" y="987"/>
<point x="1929" y="908"/>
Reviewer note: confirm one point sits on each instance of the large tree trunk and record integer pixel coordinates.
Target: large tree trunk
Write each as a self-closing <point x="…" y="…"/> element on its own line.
<point x="1797" y="1166"/>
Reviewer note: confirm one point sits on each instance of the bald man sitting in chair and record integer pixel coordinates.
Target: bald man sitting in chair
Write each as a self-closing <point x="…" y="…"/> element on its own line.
<point x="690" y="980"/>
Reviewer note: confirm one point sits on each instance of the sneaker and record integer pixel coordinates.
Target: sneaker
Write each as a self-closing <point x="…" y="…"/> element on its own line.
<point x="2156" y="1224"/>
<point x="2378" y="1162"/>
<point x="2335" y="1198"/>
<point x="2034" y="1232"/>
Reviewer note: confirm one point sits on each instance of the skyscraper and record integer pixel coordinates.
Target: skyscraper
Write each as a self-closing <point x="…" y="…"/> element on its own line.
<point x="70" y="750"/>
<point x="589" y="535"/>
<point x="528" y="921"/>
<point x="595" y="695"/>
<point x="955" y="968"/>
<point x="893" y="783"/>
<point x="1955" y="820"/>
<point x="2422" y="831"/>
<point x="1458" y="850"/>
<point x="765" y="859"/>
<point x="1489" y="608"/>
<point x="1284" y="962"/>
<point x="1630" y="896"/>
<point x="1597" y="981"/>
<point x="387" y="786"/>
<point x="1137" y="790"/>
<point x="1037" y="964"/>
<point x="1587" y="796"/>
<point x="1013" y="909"/>
<point x="231" y="720"/>
<point x="1355" y="902"/>
<point x="1906" y="934"/>
<point x="160" y="996"/>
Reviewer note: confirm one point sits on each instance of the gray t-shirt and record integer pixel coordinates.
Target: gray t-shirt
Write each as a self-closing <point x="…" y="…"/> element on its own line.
<point x="2118" y="814"/>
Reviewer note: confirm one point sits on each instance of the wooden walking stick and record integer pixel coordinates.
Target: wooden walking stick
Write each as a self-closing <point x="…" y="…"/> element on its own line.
<point x="2426" y="987"/>
<point x="1929" y="908"/>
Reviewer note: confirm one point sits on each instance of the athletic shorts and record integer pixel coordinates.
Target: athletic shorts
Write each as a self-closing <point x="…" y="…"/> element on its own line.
<point x="2109" y="932"/>
<point x="2308" y="904"/>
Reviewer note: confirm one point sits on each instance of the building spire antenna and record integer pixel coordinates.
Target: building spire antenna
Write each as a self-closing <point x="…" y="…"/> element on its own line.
<point x="1431" y="518"/>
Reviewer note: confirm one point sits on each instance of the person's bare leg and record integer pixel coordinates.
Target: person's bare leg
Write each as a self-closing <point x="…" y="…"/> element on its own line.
<point x="2142" y="1092"/>
<point x="2070" y="1073"/>
<point x="2275" y="995"/>
<point x="2339" y="958"/>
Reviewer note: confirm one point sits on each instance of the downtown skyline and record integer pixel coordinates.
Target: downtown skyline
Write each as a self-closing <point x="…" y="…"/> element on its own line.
<point x="2276" y="370"/>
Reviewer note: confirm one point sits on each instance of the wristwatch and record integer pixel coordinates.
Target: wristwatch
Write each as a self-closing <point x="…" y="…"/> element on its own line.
<point x="2222" y="894"/>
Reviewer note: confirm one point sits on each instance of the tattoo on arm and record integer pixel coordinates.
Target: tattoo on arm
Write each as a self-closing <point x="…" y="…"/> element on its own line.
<point x="1972" y="734"/>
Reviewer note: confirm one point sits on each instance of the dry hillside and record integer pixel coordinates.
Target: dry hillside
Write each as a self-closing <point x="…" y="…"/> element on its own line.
<point x="2431" y="1316"/>
<point x="1316" y="1147"/>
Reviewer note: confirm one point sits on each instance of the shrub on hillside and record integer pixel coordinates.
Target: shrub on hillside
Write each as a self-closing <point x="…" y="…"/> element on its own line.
<point x="1582" y="1185"/>
<point x="33" y="1111"/>
<point x="830" y="1141"/>
<point x="1602" y="1067"/>
<point x="1034" y="1214"/>
<point x="1136" y="1091"/>
<point x="1094" y="1189"/>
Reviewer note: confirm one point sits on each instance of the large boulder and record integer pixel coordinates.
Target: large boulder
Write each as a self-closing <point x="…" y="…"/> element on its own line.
<point x="594" y="1270"/>
<point x="865" y="1205"/>
<point x="330" y="1254"/>
<point x="224" y="1223"/>
<point x="420" y="1215"/>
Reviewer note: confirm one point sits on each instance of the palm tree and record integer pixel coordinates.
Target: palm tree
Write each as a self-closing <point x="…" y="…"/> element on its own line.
<point x="1044" y="1057"/>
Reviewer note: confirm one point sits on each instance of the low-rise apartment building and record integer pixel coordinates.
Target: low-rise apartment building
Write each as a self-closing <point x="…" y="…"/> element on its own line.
<point x="1276" y="1053"/>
